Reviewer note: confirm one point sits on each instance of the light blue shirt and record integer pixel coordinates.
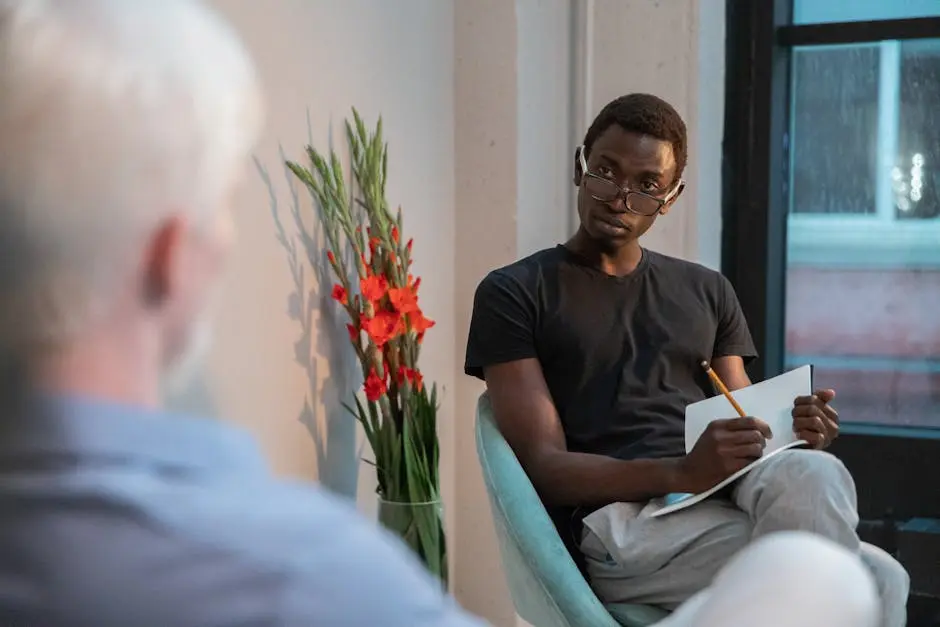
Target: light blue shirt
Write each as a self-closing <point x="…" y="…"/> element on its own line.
<point x="111" y="516"/>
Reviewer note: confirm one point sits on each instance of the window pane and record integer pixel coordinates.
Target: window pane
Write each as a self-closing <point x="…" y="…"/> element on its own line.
<point x="917" y="175"/>
<point x="834" y="119"/>
<point x="863" y="242"/>
<point x="819" y="11"/>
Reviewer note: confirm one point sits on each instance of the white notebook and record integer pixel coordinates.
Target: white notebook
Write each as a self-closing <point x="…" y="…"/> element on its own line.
<point x="770" y="400"/>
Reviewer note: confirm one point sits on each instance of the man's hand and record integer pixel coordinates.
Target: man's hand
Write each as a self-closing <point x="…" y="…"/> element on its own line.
<point x="814" y="420"/>
<point x="725" y="447"/>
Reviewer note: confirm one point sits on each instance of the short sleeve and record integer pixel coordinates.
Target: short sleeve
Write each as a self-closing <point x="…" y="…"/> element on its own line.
<point x="733" y="337"/>
<point x="502" y="326"/>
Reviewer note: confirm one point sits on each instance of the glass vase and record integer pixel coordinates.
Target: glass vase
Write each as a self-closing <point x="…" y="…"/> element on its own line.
<point x="421" y="528"/>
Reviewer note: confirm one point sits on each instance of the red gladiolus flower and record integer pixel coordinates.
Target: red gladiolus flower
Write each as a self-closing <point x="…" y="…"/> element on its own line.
<point x="382" y="327"/>
<point x="410" y="244"/>
<point x="405" y="374"/>
<point x="373" y="287"/>
<point x="331" y="256"/>
<point x="339" y="294"/>
<point x="395" y="234"/>
<point x="374" y="386"/>
<point x="412" y="376"/>
<point x="418" y="323"/>
<point x="416" y="285"/>
<point x="353" y="332"/>
<point x="403" y="300"/>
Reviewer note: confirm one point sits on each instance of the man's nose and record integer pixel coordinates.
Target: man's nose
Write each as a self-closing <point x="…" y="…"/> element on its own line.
<point x="618" y="204"/>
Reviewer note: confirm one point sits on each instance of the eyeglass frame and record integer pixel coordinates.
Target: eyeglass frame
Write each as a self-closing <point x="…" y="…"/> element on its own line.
<point x="624" y="192"/>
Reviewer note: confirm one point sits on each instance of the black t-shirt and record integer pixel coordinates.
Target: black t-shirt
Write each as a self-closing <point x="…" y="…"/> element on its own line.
<point x="621" y="355"/>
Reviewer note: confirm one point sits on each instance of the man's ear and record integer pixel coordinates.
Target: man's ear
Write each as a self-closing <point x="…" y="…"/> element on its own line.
<point x="672" y="200"/>
<point x="162" y="261"/>
<point x="577" y="167"/>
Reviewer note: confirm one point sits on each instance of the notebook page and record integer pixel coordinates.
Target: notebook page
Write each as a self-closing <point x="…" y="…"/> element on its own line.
<point x="770" y="400"/>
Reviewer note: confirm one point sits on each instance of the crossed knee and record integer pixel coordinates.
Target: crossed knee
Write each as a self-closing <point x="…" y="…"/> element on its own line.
<point x="811" y="473"/>
<point x="805" y="490"/>
<point x="834" y="588"/>
<point x="894" y="582"/>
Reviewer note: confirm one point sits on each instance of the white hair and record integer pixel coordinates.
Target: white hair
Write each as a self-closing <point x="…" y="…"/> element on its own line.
<point x="114" y="114"/>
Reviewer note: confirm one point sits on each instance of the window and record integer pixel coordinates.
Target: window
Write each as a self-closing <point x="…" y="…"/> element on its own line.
<point x="829" y="11"/>
<point x="865" y="176"/>
<point x="831" y="235"/>
<point x="863" y="225"/>
<point x="834" y="149"/>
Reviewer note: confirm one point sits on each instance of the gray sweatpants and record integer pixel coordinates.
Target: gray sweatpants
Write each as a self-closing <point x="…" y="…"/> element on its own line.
<point x="632" y="558"/>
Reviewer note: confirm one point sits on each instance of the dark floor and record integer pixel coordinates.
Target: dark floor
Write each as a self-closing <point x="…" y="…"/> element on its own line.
<point x="923" y="612"/>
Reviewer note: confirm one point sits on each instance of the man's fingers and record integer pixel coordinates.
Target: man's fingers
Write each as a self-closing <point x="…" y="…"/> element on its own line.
<point x="810" y="401"/>
<point x="738" y="438"/>
<point x="814" y="438"/>
<point x="820" y="397"/>
<point x="806" y="410"/>
<point x="744" y="451"/>
<point x="815" y="410"/>
<point x="749" y="423"/>
<point x="809" y="423"/>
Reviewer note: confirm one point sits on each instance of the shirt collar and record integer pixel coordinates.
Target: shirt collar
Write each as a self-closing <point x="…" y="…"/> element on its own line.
<point x="100" y="431"/>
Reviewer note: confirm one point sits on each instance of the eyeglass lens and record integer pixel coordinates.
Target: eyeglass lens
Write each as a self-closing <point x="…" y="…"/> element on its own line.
<point x="608" y="191"/>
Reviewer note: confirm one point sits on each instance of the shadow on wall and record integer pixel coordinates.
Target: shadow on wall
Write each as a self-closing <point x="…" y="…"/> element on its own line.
<point x="321" y="341"/>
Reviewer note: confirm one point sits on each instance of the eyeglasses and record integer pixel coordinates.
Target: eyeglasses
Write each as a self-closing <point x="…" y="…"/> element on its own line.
<point x="605" y="190"/>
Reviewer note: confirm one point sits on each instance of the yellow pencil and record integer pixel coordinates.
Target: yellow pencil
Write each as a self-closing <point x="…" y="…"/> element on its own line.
<point x="722" y="388"/>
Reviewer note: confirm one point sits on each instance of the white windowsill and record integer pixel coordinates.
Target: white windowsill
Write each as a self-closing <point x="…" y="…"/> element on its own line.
<point x="862" y="242"/>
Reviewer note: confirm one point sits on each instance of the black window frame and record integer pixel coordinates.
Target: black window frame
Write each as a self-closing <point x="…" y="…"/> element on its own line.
<point x="897" y="469"/>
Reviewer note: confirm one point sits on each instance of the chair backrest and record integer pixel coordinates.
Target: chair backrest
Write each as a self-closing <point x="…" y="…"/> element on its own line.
<point x="547" y="588"/>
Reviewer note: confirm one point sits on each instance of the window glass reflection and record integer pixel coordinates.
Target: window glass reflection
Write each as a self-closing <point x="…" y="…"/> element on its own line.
<point x="863" y="269"/>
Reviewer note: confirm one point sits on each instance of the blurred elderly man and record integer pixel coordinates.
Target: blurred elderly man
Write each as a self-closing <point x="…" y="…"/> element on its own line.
<point x="125" y="127"/>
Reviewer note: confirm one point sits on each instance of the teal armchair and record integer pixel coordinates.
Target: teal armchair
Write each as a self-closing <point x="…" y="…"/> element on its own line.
<point x="547" y="588"/>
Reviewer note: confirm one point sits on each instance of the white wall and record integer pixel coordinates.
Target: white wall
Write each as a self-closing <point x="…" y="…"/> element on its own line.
<point x="487" y="183"/>
<point x="545" y="105"/>
<point x="675" y="50"/>
<point x="323" y="57"/>
<point x="707" y="133"/>
<point x="483" y="102"/>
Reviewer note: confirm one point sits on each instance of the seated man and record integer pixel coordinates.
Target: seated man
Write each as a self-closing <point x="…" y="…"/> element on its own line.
<point x="591" y="351"/>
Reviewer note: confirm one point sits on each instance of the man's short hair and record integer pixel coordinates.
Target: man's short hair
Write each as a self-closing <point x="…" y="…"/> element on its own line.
<point x="114" y="114"/>
<point x="647" y="115"/>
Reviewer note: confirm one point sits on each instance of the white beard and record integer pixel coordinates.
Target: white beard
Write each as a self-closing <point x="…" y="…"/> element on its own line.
<point x="182" y="371"/>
